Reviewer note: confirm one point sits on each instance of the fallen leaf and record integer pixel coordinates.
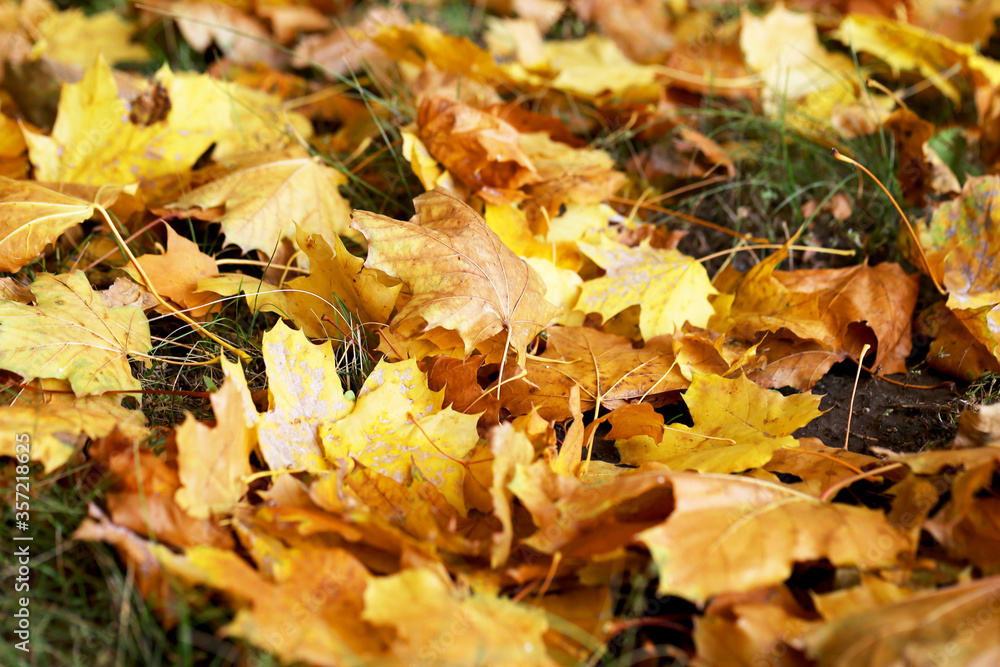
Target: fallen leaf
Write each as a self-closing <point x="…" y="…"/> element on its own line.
<point x="94" y="142"/>
<point x="304" y="392"/>
<point x="141" y="497"/>
<point x="267" y="200"/>
<point x="605" y="367"/>
<point x="672" y="288"/>
<point x="57" y="430"/>
<point x="150" y="580"/>
<point x="175" y="274"/>
<point x="213" y="463"/>
<point x="73" y="37"/>
<point x="433" y="619"/>
<point x="737" y="426"/>
<point x="461" y="275"/>
<point x="239" y="36"/>
<point x="919" y="629"/>
<point x="32" y="216"/>
<point x="770" y="526"/>
<point x="69" y="334"/>
<point x="338" y="295"/>
<point x="321" y="587"/>
<point x="478" y="148"/>
<point x="348" y="48"/>
<point x="510" y="449"/>
<point x="907" y="47"/>
<point x="398" y="427"/>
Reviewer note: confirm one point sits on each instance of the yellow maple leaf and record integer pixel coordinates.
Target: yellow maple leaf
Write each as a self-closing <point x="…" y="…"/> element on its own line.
<point x="72" y="37"/>
<point x="671" y="287"/>
<point x="419" y="42"/>
<point x="338" y="281"/>
<point x="594" y="66"/>
<point x="437" y="622"/>
<point x="511" y="225"/>
<point x="94" y="140"/>
<point x="266" y="199"/>
<point x="71" y="335"/>
<point x="304" y="392"/>
<point x="213" y="463"/>
<point x="320" y="587"/>
<point x="32" y="216"/>
<point x="461" y="274"/>
<point x="510" y="448"/>
<point x="735" y="534"/>
<point x="744" y="424"/>
<point x="54" y="429"/>
<point x="237" y="118"/>
<point x="907" y="47"/>
<point x="397" y="425"/>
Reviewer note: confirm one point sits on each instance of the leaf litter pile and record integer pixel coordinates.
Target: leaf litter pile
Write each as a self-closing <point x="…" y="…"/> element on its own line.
<point x="382" y="339"/>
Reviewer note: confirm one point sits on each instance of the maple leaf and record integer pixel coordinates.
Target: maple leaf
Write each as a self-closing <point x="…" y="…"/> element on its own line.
<point x="908" y="47"/>
<point x="423" y="608"/>
<point x="461" y="275"/>
<point x="151" y="581"/>
<point x="267" y="199"/>
<point x="70" y="36"/>
<point x="69" y="334"/>
<point x="478" y="148"/>
<point x="120" y="152"/>
<point x="510" y="448"/>
<point x="204" y="111"/>
<point x="839" y="309"/>
<point x="770" y="526"/>
<point x="321" y="587"/>
<point x="397" y="427"/>
<point x="916" y="625"/>
<point x="744" y="425"/>
<point x="175" y="273"/>
<point x="32" y="216"/>
<point x="818" y="473"/>
<point x="55" y="428"/>
<point x="511" y="225"/>
<point x="304" y="392"/>
<point x="239" y="36"/>
<point x="966" y="525"/>
<point x="671" y="288"/>
<point x="141" y="497"/>
<point x="605" y="366"/>
<point x="594" y="67"/>
<point x="345" y="50"/>
<point x="213" y="463"/>
<point x="337" y="281"/>
<point x="418" y="42"/>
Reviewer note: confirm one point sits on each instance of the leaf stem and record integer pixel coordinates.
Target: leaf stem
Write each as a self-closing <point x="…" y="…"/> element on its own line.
<point x="916" y="240"/>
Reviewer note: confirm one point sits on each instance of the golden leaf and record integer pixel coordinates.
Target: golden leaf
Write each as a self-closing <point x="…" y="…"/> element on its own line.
<point x="267" y="200"/>
<point x="671" y="288"/>
<point x="397" y="427"/>
<point x="32" y="216"/>
<point x="736" y="534"/>
<point x="737" y="426"/>
<point x="462" y="275"/>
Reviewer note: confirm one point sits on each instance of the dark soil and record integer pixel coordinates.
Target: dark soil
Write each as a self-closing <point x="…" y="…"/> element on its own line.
<point x="901" y="418"/>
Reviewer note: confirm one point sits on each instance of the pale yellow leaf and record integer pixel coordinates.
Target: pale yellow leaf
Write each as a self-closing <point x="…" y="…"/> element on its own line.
<point x="305" y="392"/>
<point x="70" y="334"/>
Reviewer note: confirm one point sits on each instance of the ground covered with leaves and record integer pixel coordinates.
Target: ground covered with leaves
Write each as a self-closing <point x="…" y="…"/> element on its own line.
<point x="535" y="332"/>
